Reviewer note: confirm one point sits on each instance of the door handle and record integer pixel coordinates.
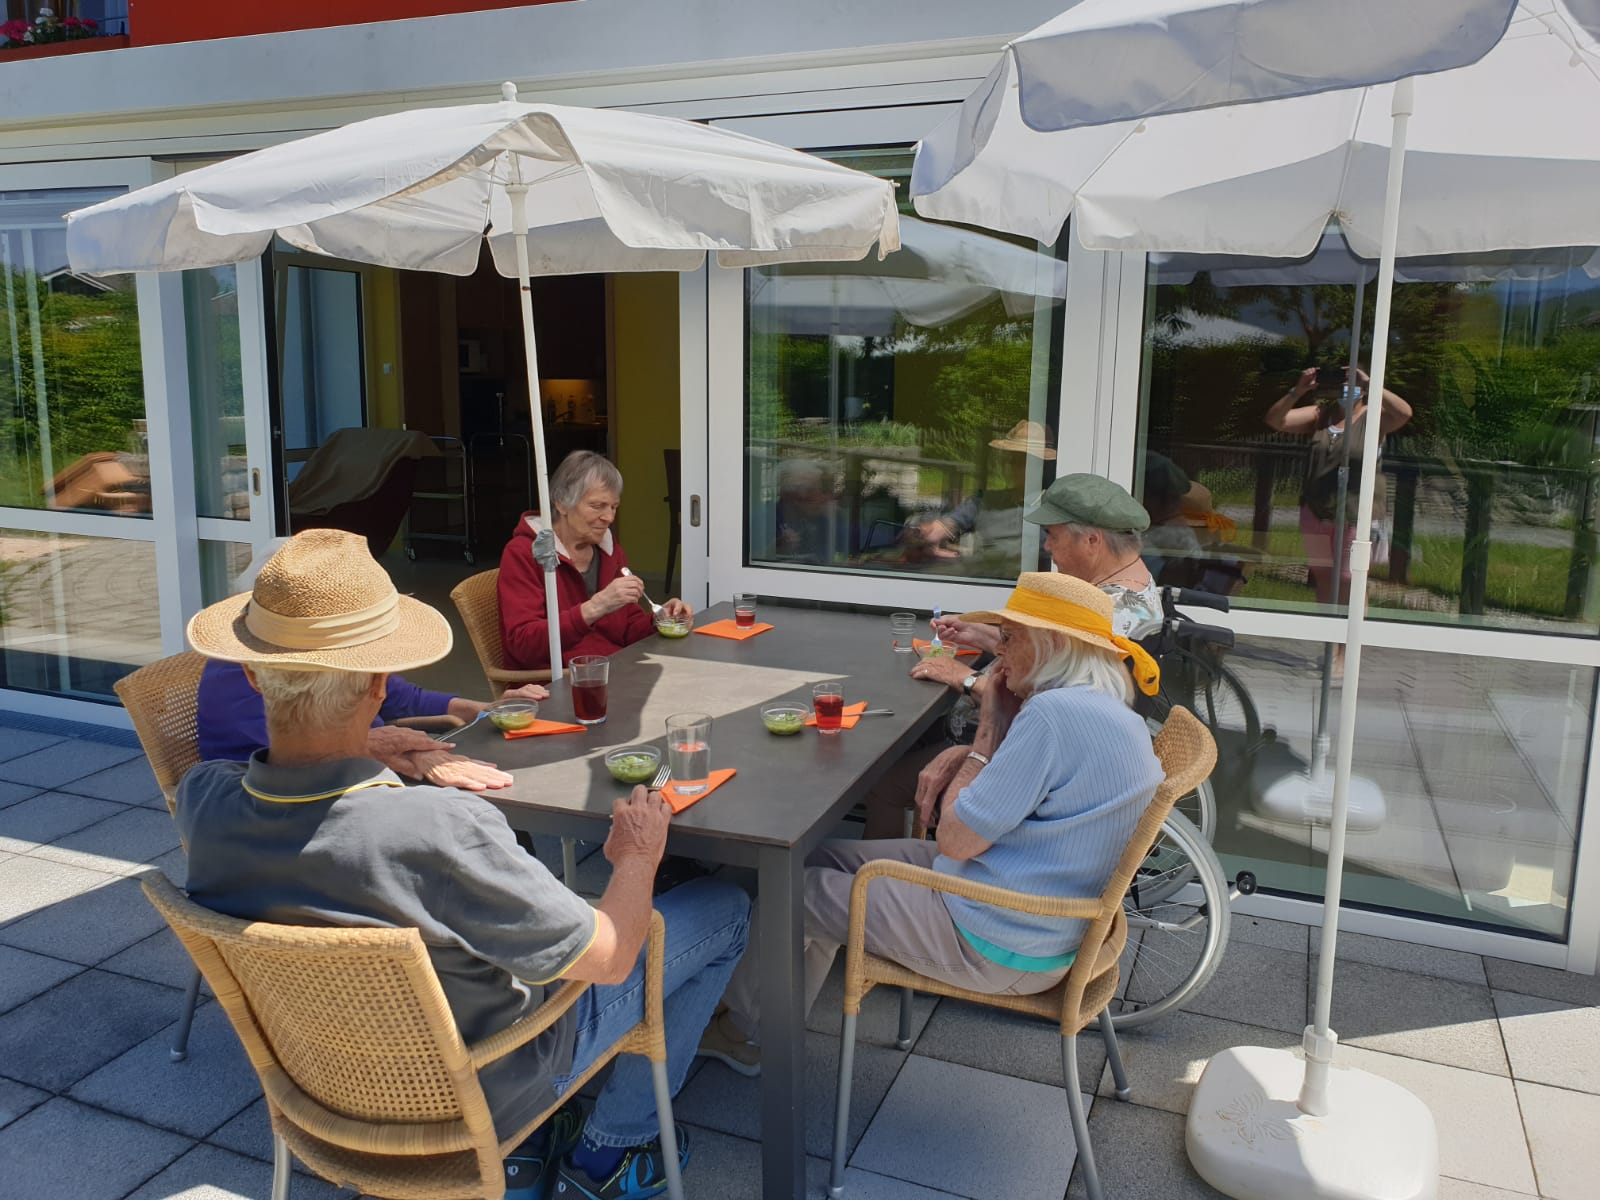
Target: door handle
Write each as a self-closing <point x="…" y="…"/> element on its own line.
<point x="694" y="511"/>
<point x="255" y="481"/>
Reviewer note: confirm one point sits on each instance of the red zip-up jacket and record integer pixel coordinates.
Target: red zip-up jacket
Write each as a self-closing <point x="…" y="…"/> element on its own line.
<point x="524" y="628"/>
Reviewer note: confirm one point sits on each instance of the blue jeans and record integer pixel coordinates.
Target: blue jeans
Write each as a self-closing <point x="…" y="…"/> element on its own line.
<point x="707" y="925"/>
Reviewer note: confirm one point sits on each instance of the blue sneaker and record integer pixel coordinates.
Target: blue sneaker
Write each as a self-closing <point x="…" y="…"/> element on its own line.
<point x="641" y="1173"/>
<point x="532" y="1176"/>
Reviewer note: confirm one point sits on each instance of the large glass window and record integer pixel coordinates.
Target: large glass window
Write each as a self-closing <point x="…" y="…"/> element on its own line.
<point x="216" y="393"/>
<point x="72" y="428"/>
<point x="1486" y="500"/>
<point x="899" y="412"/>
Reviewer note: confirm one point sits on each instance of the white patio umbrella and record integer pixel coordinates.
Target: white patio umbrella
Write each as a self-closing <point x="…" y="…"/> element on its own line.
<point x="1265" y="179"/>
<point x="553" y="190"/>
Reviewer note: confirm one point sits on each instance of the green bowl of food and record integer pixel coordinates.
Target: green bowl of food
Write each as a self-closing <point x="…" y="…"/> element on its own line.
<point x="673" y="627"/>
<point x="943" y="650"/>
<point x="633" y="764"/>
<point x="511" y="715"/>
<point x="784" y="719"/>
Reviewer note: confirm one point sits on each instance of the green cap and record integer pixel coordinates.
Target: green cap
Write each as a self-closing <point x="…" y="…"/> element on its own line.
<point x="1088" y="500"/>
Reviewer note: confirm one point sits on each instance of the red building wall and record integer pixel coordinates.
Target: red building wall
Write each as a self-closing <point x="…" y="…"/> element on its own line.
<point x="156" y="22"/>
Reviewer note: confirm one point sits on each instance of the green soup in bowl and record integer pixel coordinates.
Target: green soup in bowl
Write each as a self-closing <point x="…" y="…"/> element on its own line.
<point x="784" y="719"/>
<point x="633" y="764"/>
<point x="511" y="715"/>
<point x="672" y="627"/>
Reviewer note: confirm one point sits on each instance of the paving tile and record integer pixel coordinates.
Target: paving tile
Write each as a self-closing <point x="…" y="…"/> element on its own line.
<point x="16" y="743"/>
<point x="57" y="1038"/>
<point x="970" y="1132"/>
<point x="1407" y="956"/>
<point x="1008" y="1043"/>
<point x="122" y="844"/>
<point x="1474" y="1114"/>
<point x="160" y="958"/>
<point x="90" y="926"/>
<point x="10" y="793"/>
<point x="1417" y="1016"/>
<point x="131" y="782"/>
<point x="30" y="884"/>
<point x="213" y="1085"/>
<point x="1460" y="1189"/>
<point x="1164" y="1060"/>
<point x="207" y="1173"/>
<point x="250" y="1134"/>
<point x="1553" y="984"/>
<point x="23" y="976"/>
<point x="880" y="1011"/>
<point x="66" y="1149"/>
<point x="1262" y="931"/>
<point x="1254" y="984"/>
<point x="18" y="1098"/>
<point x="59" y="763"/>
<point x="1550" y="1042"/>
<point x="720" y="1099"/>
<point x="47" y="816"/>
<point x="1561" y="1135"/>
<point x="1139" y="1153"/>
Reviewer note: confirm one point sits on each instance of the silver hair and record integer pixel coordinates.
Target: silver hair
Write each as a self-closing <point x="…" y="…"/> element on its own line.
<point x="579" y="472"/>
<point x="295" y="697"/>
<point x="1060" y="661"/>
<point x="1120" y="542"/>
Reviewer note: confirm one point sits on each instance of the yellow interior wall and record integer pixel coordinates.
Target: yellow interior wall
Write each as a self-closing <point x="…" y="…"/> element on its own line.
<point x="380" y="318"/>
<point x="644" y="410"/>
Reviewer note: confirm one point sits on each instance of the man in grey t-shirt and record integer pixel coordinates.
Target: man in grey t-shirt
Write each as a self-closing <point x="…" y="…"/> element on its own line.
<point x="311" y="831"/>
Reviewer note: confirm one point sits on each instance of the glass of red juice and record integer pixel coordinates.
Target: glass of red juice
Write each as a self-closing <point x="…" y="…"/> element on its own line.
<point x="590" y="675"/>
<point x="744" y="610"/>
<point x="828" y="700"/>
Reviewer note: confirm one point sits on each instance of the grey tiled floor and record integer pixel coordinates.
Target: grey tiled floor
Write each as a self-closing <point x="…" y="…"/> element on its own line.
<point x="1507" y="1056"/>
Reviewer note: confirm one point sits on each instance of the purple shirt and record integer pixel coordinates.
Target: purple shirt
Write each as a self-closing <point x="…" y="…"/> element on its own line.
<point x="233" y="720"/>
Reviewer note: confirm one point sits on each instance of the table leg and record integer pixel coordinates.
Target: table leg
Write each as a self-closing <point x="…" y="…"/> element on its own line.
<point x="780" y="875"/>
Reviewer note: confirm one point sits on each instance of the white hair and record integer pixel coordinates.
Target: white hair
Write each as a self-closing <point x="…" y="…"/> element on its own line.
<point x="1120" y="542"/>
<point x="579" y="472"/>
<point x="1060" y="661"/>
<point x="295" y="697"/>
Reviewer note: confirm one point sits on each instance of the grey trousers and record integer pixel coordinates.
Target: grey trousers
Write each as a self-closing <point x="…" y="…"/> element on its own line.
<point x="905" y="923"/>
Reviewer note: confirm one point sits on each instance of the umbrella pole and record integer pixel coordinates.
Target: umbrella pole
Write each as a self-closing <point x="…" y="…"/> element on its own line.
<point x="517" y="193"/>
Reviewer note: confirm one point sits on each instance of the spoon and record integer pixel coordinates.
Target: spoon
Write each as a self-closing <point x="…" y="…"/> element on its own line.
<point x="936" y="645"/>
<point x="655" y="609"/>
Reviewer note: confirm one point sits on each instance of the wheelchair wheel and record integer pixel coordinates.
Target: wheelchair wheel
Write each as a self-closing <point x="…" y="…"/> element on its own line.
<point x="1178" y="911"/>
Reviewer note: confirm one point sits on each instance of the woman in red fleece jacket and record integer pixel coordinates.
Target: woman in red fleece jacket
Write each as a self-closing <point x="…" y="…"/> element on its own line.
<point x="598" y="605"/>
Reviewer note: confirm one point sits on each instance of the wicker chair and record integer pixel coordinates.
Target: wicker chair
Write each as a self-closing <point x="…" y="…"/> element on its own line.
<point x="1187" y="755"/>
<point x="478" y="602"/>
<point x="366" y="1078"/>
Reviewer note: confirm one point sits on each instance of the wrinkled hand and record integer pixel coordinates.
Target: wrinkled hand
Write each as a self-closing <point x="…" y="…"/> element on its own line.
<point x="397" y="748"/>
<point x="980" y="637"/>
<point x="934" y="778"/>
<point x="443" y="769"/>
<point x="677" y="610"/>
<point x="1000" y="703"/>
<point x="638" y="828"/>
<point x="618" y="594"/>
<point x="951" y="672"/>
<point x="528" y="691"/>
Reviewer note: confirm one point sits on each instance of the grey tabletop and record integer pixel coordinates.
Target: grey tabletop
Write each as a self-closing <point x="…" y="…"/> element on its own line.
<point x="784" y="786"/>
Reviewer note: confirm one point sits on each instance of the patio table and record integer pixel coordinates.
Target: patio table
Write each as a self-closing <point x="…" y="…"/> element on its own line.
<point x="788" y="796"/>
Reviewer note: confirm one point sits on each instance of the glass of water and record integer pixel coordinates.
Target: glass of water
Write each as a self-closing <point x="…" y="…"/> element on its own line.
<point x="689" y="751"/>
<point x="902" y="627"/>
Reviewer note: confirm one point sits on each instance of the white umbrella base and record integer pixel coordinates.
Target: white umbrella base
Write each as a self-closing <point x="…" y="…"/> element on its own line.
<point x="1304" y="799"/>
<point x="1248" y="1139"/>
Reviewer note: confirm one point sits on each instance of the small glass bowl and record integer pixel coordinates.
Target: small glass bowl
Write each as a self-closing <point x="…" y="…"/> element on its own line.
<point x="633" y="764"/>
<point x="511" y="715"/>
<point x="943" y="650"/>
<point x="784" y="719"/>
<point x="673" y="627"/>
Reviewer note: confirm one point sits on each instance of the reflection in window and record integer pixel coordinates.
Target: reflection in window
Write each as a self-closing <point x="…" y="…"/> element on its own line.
<point x="72" y="429"/>
<point x="1486" y="500"/>
<point x="898" y="411"/>
<point x="216" y="393"/>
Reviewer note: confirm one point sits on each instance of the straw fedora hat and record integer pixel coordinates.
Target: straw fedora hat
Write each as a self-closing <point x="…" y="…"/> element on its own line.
<point x="322" y="603"/>
<point x="1027" y="437"/>
<point x="1069" y="606"/>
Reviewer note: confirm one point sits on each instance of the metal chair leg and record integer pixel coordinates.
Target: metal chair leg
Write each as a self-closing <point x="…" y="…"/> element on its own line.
<point x="669" y="1130"/>
<point x="1080" y="1122"/>
<point x="902" y="1037"/>
<point x="282" y="1168"/>
<point x="1119" y="1074"/>
<point x="841" y="1109"/>
<point x="180" y="1044"/>
<point x="569" y="863"/>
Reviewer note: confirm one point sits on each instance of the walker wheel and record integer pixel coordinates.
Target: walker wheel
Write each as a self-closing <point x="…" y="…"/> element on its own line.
<point x="1246" y="883"/>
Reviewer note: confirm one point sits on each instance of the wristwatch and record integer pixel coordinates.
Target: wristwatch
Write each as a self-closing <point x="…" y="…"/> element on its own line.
<point x="967" y="684"/>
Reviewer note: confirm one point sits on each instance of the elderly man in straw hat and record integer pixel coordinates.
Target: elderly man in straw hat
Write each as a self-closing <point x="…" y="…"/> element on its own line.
<point x="311" y="830"/>
<point x="993" y="516"/>
<point x="1044" y="802"/>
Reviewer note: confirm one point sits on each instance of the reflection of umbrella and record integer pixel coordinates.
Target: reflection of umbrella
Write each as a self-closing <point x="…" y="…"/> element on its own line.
<point x="553" y="190"/>
<point x="1265" y="179"/>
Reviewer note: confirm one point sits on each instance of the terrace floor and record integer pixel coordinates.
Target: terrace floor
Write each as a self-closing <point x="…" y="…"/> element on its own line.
<point x="1507" y="1056"/>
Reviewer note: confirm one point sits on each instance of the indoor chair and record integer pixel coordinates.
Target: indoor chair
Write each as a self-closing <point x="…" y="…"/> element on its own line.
<point x="366" y="1077"/>
<point x="1187" y="755"/>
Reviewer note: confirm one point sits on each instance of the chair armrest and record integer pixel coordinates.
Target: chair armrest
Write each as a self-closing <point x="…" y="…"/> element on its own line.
<point x="1087" y="909"/>
<point x="440" y="722"/>
<point x="505" y="678"/>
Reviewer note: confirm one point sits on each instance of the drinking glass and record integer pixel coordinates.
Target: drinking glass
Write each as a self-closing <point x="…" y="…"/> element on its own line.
<point x="590" y="675"/>
<point x="689" y="751"/>
<point x="828" y="700"/>
<point x="744" y="610"/>
<point x="902" y="626"/>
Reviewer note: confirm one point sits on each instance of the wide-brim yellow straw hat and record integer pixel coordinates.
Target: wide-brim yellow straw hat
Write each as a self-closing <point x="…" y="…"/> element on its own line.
<point x="1069" y="606"/>
<point x="322" y="603"/>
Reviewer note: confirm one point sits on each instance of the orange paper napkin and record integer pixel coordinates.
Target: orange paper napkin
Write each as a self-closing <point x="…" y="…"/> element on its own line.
<point x="852" y="714"/>
<point x="729" y="629"/>
<point x="680" y="802"/>
<point x="540" y="728"/>
<point x="921" y="647"/>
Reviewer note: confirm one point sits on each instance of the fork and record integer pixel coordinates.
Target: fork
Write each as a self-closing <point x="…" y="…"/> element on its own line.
<point x="662" y="775"/>
<point x="655" y="609"/>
